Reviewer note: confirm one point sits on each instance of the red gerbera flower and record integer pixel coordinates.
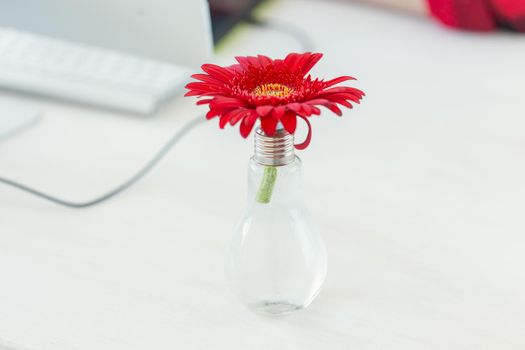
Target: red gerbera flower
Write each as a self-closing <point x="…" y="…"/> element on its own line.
<point x="274" y="91"/>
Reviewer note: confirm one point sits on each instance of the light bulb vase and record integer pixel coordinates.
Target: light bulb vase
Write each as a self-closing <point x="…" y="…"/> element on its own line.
<point x="276" y="262"/>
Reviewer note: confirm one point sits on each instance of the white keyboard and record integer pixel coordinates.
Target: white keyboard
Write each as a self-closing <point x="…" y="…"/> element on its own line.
<point x="85" y="74"/>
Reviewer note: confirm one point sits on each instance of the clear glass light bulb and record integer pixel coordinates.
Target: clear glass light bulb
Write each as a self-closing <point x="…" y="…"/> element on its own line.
<point x="277" y="258"/>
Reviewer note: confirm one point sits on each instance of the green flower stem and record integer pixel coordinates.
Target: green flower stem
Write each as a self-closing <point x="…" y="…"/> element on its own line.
<point x="268" y="182"/>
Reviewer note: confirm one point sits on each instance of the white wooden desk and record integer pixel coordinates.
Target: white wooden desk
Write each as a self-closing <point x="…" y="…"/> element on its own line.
<point x="419" y="193"/>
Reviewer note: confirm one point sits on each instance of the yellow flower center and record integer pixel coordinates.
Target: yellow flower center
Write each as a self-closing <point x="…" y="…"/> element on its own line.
<point x="272" y="90"/>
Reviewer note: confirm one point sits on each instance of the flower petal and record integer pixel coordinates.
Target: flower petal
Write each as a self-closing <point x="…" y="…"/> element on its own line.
<point x="289" y="121"/>
<point x="308" y="138"/>
<point x="243" y="61"/>
<point x="193" y="93"/>
<point x="212" y="113"/>
<point x="203" y="93"/>
<point x="342" y="96"/>
<point x="306" y="109"/>
<point x="236" y="68"/>
<point x="325" y="102"/>
<point x="207" y="78"/>
<point x="291" y="60"/>
<point x="317" y="101"/>
<point x="264" y="110"/>
<point x="344" y="103"/>
<point x="198" y="88"/>
<point x="202" y="86"/>
<point x="296" y="107"/>
<point x="220" y="73"/>
<point x="311" y="62"/>
<point x="264" y="60"/>
<point x="222" y="102"/>
<point x="247" y="124"/>
<point x="254" y="61"/>
<point x="216" y="68"/>
<point x="345" y="89"/>
<point x="224" y="119"/>
<point x="204" y="101"/>
<point x="278" y="112"/>
<point x="269" y="124"/>
<point x="238" y="114"/>
<point x="338" y="80"/>
<point x="333" y="107"/>
<point x="315" y="110"/>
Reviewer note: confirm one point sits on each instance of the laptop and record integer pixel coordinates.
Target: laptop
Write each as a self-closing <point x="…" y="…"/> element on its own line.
<point x="128" y="55"/>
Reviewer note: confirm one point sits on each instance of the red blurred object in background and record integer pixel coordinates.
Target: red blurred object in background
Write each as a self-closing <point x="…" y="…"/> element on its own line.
<point x="511" y="12"/>
<point x="480" y="15"/>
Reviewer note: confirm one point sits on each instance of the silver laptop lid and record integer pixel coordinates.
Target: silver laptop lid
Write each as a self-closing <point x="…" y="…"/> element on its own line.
<point x="174" y="31"/>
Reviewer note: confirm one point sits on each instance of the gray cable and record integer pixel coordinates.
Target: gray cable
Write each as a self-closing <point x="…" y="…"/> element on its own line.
<point x="124" y="186"/>
<point x="20" y="129"/>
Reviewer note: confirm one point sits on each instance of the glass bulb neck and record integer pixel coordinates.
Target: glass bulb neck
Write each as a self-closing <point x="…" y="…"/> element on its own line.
<point x="276" y="150"/>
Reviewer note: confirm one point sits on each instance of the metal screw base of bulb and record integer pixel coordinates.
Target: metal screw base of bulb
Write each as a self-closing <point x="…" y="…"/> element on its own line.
<point x="276" y="150"/>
